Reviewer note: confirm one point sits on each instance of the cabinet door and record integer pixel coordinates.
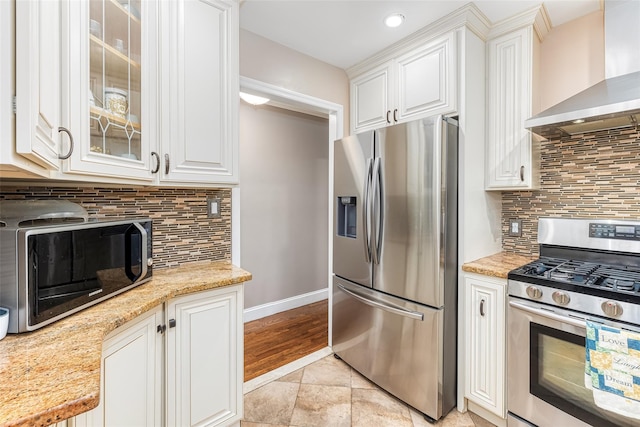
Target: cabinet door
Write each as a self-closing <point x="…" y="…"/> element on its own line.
<point x="38" y="81"/>
<point x="426" y="80"/>
<point x="131" y="376"/>
<point x="109" y="79"/>
<point x="205" y="358"/>
<point x="485" y="336"/>
<point x="200" y="91"/>
<point x="371" y="99"/>
<point x="510" y="160"/>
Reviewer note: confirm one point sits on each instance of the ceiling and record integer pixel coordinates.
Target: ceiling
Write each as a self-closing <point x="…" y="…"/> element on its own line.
<point x="343" y="33"/>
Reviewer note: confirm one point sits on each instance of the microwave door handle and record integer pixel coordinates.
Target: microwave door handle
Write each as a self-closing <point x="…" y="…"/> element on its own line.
<point x="129" y="252"/>
<point x="549" y="315"/>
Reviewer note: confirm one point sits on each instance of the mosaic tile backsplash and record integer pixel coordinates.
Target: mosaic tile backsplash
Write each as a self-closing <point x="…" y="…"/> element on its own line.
<point x="182" y="232"/>
<point x="594" y="175"/>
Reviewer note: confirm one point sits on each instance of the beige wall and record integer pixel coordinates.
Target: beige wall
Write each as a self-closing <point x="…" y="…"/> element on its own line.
<point x="571" y="58"/>
<point x="284" y="199"/>
<point x="269" y="62"/>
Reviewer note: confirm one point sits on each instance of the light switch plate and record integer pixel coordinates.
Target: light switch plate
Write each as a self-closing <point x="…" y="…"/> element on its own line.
<point x="213" y="208"/>
<point x="515" y="227"/>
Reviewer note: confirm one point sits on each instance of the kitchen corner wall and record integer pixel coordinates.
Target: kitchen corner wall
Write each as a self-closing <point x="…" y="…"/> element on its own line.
<point x="593" y="175"/>
<point x="182" y="232"/>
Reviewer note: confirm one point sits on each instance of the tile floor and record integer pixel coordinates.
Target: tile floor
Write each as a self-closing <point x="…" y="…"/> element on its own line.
<point x="329" y="393"/>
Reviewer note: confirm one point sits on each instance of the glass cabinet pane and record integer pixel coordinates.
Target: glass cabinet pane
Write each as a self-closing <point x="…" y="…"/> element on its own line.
<point x="115" y="78"/>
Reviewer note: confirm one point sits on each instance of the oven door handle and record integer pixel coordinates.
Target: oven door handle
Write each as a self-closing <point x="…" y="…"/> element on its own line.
<point x="549" y="314"/>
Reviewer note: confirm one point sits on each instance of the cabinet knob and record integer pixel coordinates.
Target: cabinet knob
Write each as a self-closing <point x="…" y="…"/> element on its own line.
<point x="172" y="323"/>
<point x="68" y="132"/>
<point x="161" y="329"/>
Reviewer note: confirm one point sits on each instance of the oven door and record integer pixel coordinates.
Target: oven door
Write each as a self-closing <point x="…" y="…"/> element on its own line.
<point x="545" y="363"/>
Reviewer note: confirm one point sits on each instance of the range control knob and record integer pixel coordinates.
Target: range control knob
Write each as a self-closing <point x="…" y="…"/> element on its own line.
<point x="561" y="298"/>
<point x="611" y="308"/>
<point x="534" y="292"/>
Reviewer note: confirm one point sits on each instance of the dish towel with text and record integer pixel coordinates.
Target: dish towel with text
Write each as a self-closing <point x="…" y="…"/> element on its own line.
<point x="612" y="368"/>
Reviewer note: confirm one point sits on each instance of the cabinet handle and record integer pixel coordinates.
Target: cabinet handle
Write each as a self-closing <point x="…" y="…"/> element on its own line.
<point x="65" y="130"/>
<point x="166" y="164"/>
<point x="172" y="323"/>
<point x="522" y="173"/>
<point x="482" y="307"/>
<point x="388" y="119"/>
<point x="395" y="115"/>
<point x="157" y="156"/>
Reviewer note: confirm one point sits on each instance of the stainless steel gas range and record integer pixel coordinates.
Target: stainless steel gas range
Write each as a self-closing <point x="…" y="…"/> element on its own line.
<point x="588" y="271"/>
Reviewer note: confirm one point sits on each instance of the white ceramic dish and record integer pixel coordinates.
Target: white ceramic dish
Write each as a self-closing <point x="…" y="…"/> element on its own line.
<point x="4" y="322"/>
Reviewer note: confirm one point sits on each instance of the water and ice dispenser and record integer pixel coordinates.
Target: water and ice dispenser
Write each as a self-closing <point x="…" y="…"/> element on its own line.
<point x="347" y="217"/>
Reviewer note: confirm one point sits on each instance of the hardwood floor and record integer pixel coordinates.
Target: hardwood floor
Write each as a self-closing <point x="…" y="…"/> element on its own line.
<point x="279" y="339"/>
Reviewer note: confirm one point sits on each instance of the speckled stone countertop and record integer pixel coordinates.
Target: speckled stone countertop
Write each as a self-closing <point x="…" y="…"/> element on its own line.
<point x="498" y="265"/>
<point x="54" y="373"/>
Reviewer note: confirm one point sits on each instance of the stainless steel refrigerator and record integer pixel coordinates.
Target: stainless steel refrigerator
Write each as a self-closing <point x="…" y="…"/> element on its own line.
<point x="395" y="260"/>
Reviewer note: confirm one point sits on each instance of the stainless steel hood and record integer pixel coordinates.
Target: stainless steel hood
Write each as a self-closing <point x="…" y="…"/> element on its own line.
<point x="615" y="101"/>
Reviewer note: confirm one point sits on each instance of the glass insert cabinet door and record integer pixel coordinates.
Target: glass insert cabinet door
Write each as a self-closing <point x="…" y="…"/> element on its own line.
<point x="111" y="48"/>
<point x="115" y="75"/>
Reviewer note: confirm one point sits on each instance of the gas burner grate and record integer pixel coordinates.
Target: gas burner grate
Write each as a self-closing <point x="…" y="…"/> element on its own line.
<point x="540" y="266"/>
<point x="572" y="271"/>
<point x="617" y="279"/>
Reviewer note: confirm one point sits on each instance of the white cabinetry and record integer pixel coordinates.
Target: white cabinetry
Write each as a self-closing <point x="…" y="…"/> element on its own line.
<point x="131" y="376"/>
<point x="512" y="154"/>
<point x="38" y="113"/>
<point x="418" y="83"/>
<point x="198" y="382"/>
<point x="485" y="300"/>
<point x="199" y="91"/>
<point x="204" y="358"/>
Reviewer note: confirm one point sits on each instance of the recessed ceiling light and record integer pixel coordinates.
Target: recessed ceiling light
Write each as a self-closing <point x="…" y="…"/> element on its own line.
<point x="394" y="20"/>
<point x="253" y="99"/>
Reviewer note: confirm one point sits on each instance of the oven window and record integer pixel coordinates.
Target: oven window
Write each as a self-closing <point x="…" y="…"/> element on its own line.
<point x="557" y="376"/>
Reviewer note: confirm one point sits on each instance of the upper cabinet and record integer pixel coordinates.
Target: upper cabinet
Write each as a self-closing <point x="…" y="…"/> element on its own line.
<point x="199" y="91"/>
<point x="109" y="79"/>
<point x="38" y="114"/>
<point x="512" y="161"/>
<point x="418" y="83"/>
<point x="123" y="91"/>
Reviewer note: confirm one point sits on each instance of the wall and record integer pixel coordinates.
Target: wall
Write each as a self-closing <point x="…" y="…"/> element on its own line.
<point x="571" y="58"/>
<point x="284" y="203"/>
<point x="585" y="176"/>
<point x="588" y="176"/>
<point x="181" y="230"/>
<point x="269" y="62"/>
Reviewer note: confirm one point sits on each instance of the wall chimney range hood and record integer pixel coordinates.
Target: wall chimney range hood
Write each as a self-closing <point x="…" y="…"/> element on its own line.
<point x="615" y="101"/>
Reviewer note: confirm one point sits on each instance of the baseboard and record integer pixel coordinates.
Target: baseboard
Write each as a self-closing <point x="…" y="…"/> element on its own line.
<point x="264" y="310"/>
<point x="285" y="370"/>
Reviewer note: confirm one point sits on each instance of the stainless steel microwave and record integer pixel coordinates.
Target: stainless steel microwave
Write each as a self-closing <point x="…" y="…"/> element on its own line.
<point x="49" y="272"/>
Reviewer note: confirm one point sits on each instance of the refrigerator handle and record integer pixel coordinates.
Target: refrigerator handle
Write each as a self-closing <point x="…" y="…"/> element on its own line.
<point x="386" y="307"/>
<point x="365" y="213"/>
<point x="377" y="215"/>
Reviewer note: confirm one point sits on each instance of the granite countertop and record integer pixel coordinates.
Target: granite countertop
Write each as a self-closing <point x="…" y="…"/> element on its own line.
<point x="54" y="373"/>
<point x="498" y="265"/>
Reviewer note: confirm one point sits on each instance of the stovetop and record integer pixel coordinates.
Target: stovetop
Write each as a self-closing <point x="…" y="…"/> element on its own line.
<point x="610" y="281"/>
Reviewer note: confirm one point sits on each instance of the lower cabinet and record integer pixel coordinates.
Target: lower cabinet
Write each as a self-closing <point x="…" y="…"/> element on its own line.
<point x="485" y="303"/>
<point x="205" y="359"/>
<point x="178" y="365"/>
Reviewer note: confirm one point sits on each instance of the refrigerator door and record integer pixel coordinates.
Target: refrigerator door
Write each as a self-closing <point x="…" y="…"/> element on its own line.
<point x="396" y="344"/>
<point x="351" y="186"/>
<point x="409" y="205"/>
